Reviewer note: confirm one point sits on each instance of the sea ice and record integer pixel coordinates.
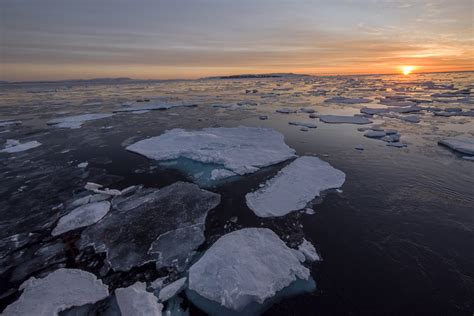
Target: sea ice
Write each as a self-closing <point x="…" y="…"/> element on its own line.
<point x="130" y="234"/>
<point x="136" y="301"/>
<point x="344" y="119"/>
<point x="286" y="110"/>
<point x="294" y="187"/>
<point x="408" y="109"/>
<point x="308" y="250"/>
<point x="307" y="110"/>
<point x="303" y="124"/>
<point x="60" y="290"/>
<point x="172" y="289"/>
<point x="83" y="164"/>
<point x="82" y="216"/>
<point x="462" y="144"/>
<point x="14" y="146"/>
<point x="4" y="123"/>
<point x="133" y="107"/>
<point x="75" y="122"/>
<point x="245" y="266"/>
<point x="345" y="100"/>
<point x="96" y="188"/>
<point x="374" y="134"/>
<point x="241" y="150"/>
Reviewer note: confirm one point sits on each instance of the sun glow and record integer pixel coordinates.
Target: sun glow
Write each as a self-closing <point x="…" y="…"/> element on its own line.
<point x="406" y="70"/>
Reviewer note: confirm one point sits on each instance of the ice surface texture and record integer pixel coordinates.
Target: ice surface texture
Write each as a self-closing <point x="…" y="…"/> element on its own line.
<point x="294" y="187"/>
<point x="132" y="234"/>
<point x="245" y="266"/>
<point x="241" y="150"/>
<point x="136" y="301"/>
<point x="56" y="292"/>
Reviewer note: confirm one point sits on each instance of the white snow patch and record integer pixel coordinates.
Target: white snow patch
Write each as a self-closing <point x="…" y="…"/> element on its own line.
<point x="294" y="186"/>
<point x="308" y="250"/>
<point x="60" y="290"/>
<point x="245" y="266"/>
<point x="136" y="301"/>
<point x="239" y="149"/>
<point x="75" y="122"/>
<point x="14" y="146"/>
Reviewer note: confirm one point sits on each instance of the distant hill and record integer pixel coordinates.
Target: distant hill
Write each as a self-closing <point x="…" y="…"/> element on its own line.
<point x="251" y="76"/>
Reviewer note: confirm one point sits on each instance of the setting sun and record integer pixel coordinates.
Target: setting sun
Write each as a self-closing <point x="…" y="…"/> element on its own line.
<point x="407" y="70"/>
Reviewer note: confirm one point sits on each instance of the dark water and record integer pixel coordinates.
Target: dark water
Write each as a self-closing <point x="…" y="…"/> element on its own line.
<point x="398" y="239"/>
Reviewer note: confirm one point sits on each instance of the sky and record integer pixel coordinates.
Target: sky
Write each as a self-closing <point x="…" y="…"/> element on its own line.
<point x="167" y="39"/>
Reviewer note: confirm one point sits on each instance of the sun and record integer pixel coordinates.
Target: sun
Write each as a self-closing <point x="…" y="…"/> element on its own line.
<point x="406" y="70"/>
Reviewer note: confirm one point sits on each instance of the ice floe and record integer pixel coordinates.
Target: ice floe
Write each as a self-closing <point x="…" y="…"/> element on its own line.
<point x="136" y="301"/>
<point x="407" y="109"/>
<point x="4" y="123"/>
<point x="14" y="146"/>
<point x="294" y="187"/>
<point x="345" y="100"/>
<point x="462" y="144"/>
<point x="97" y="188"/>
<point x="137" y="107"/>
<point x="82" y="216"/>
<point x="286" y="110"/>
<point x="163" y="226"/>
<point x="58" y="291"/>
<point x="172" y="289"/>
<point x="75" y="122"/>
<point x="308" y="250"/>
<point x="344" y="119"/>
<point x="245" y="266"/>
<point x="241" y="150"/>
<point x="303" y="124"/>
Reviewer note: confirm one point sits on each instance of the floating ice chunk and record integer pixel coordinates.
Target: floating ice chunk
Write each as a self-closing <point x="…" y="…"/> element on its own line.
<point x="307" y="110"/>
<point x="286" y="110"/>
<point x="136" y="301"/>
<point x="470" y="158"/>
<point x="75" y="122"/>
<point x="158" y="283"/>
<point x="396" y="144"/>
<point x="454" y="113"/>
<point x="172" y="289"/>
<point x="83" y="165"/>
<point x="308" y="250"/>
<point x="4" y="123"/>
<point x="462" y="144"/>
<point x="218" y="174"/>
<point x="345" y="100"/>
<point x="344" y="119"/>
<point x="359" y="147"/>
<point x="82" y="216"/>
<point x="294" y="186"/>
<point x="309" y="211"/>
<point x="408" y="109"/>
<point x="239" y="149"/>
<point x="173" y="307"/>
<point x="127" y="234"/>
<point x="245" y="266"/>
<point x="396" y="103"/>
<point x="14" y="146"/>
<point x="303" y="124"/>
<point x="374" y="134"/>
<point x="96" y="188"/>
<point x="263" y="117"/>
<point x="133" y="107"/>
<point x="60" y="290"/>
<point x="410" y="118"/>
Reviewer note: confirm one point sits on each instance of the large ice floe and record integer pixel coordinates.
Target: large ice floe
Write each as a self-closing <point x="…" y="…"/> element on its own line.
<point x="14" y="146"/>
<point x="60" y="290"/>
<point x="82" y="216"/>
<point x="240" y="150"/>
<point x="294" y="187"/>
<point x="75" y="122"/>
<point x="345" y="100"/>
<point x="164" y="226"/>
<point x="136" y="301"/>
<point x="462" y="144"/>
<point x="335" y="119"/>
<point x="152" y="106"/>
<point x="245" y="269"/>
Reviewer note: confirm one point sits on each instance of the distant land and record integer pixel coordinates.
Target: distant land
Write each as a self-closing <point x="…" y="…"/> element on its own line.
<point x="250" y="76"/>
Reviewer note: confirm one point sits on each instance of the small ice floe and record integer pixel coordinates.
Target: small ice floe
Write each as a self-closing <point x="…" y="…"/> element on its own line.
<point x="462" y="144"/>
<point x="307" y="110"/>
<point x="359" y="147"/>
<point x="243" y="269"/>
<point x="286" y="110"/>
<point x="97" y="188"/>
<point x="308" y="250"/>
<point x="4" y="123"/>
<point x="408" y="109"/>
<point x="309" y="211"/>
<point x="172" y="289"/>
<point x="391" y="137"/>
<point x="58" y="291"/>
<point x="241" y="150"/>
<point x="396" y="144"/>
<point x="303" y="124"/>
<point x="409" y="118"/>
<point x="91" y="198"/>
<point x="135" y="300"/>
<point x="134" y="107"/>
<point x="470" y="158"/>
<point x="164" y="226"/>
<point x="83" y="164"/>
<point x="75" y="122"/>
<point x="340" y="119"/>
<point x="263" y="117"/>
<point x="82" y="216"/>
<point x="397" y="103"/>
<point x="218" y="174"/>
<point x="374" y="134"/>
<point x="14" y="146"/>
<point x="454" y="113"/>
<point x="294" y="187"/>
<point x="313" y="116"/>
<point x="345" y="100"/>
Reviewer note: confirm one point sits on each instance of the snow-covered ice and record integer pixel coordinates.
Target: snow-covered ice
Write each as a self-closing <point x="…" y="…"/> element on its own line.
<point x="130" y="234"/>
<point x="241" y="150"/>
<point x="14" y="146"/>
<point x="294" y="187"/>
<point x="172" y="289"/>
<point x="82" y="216"/>
<point x="246" y="266"/>
<point x="308" y="250"/>
<point x="58" y="291"/>
<point x="136" y="301"/>
<point x="76" y="121"/>
<point x="344" y="119"/>
<point x="462" y="144"/>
